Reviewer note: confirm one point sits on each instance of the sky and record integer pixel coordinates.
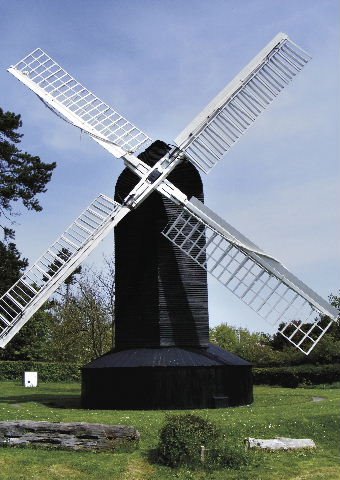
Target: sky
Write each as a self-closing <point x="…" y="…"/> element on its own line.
<point x="159" y="63"/>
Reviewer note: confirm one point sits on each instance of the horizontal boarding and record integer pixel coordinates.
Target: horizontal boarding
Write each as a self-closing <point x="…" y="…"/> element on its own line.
<point x="34" y="287"/>
<point x="258" y="280"/>
<point x="223" y="122"/>
<point x="75" y="102"/>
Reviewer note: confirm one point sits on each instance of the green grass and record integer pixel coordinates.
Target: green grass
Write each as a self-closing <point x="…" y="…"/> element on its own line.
<point x="275" y="412"/>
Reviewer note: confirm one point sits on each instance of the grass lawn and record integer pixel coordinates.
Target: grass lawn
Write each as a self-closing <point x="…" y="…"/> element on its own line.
<point x="275" y="412"/>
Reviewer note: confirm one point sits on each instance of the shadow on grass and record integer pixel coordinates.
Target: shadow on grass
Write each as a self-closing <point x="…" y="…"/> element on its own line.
<point x="49" y="400"/>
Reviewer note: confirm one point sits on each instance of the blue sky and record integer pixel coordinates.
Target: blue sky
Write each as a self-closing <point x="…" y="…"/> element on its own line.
<point x="159" y="63"/>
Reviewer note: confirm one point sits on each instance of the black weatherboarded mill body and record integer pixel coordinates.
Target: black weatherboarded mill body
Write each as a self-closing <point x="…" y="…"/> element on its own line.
<point x="162" y="356"/>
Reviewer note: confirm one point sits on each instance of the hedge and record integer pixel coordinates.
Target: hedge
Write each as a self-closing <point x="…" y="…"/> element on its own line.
<point x="297" y="375"/>
<point x="47" y="371"/>
<point x="290" y="376"/>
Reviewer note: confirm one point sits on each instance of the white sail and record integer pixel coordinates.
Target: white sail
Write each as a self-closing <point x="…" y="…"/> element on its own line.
<point x="256" y="278"/>
<point x="74" y="102"/>
<point x="39" y="282"/>
<point x="223" y="122"/>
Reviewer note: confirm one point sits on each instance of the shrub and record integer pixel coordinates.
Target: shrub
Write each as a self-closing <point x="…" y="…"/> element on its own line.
<point x="182" y="438"/>
<point x="293" y="376"/>
<point x="227" y="456"/>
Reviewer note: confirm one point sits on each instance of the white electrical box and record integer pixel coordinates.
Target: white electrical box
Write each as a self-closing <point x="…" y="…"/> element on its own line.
<point x="30" y="379"/>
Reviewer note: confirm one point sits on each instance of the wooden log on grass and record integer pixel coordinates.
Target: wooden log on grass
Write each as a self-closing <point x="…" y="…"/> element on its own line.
<point x="70" y="436"/>
<point x="279" y="443"/>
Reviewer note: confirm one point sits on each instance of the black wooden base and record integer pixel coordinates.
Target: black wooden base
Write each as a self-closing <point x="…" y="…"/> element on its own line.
<point x="167" y="378"/>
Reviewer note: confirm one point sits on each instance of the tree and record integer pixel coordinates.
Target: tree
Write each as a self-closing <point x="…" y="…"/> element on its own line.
<point x="328" y="348"/>
<point x="64" y="254"/>
<point x="254" y="347"/>
<point x="33" y="341"/>
<point x="83" y="316"/>
<point x="275" y="349"/>
<point x="22" y="176"/>
<point x="335" y="328"/>
<point x="11" y="265"/>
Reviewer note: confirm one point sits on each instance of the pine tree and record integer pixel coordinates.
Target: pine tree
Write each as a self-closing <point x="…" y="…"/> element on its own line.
<point x="22" y="178"/>
<point x="11" y="265"/>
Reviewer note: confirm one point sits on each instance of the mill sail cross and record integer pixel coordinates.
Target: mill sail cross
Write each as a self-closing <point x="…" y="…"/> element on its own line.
<point x="255" y="277"/>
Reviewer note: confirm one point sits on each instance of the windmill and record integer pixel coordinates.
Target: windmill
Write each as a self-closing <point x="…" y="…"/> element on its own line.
<point x="256" y="278"/>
